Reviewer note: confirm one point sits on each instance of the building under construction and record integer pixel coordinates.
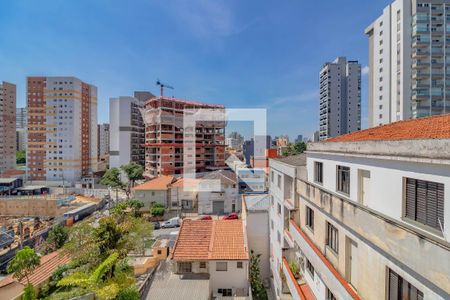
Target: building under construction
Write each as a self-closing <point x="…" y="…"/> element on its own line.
<point x="165" y="137"/>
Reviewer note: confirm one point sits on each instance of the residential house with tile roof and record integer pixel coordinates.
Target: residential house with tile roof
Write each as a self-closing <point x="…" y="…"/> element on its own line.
<point x="156" y="190"/>
<point x="365" y="215"/>
<point x="216" y="250"/>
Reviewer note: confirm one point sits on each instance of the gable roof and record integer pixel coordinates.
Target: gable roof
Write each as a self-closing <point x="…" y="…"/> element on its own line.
<point x="211" y="240"/>
<point x="157" y="184"/>
<point x="435" y="127"/>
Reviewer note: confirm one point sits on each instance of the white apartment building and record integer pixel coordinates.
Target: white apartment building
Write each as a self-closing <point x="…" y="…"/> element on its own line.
<point x="371" y="217"/>
<point x="407" y="61"/>
<point x="340" y="98"/>
<point x="103" y="140"/>
<point x="7" y="126"/>
<point x="127" y="129"/>
<point x="62" y="129"/>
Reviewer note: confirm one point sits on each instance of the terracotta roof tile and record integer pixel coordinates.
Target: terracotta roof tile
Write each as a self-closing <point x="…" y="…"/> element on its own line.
<point x="211" y="240"/>
<point x="435" y="127"/>
<point x="158" y="183"/>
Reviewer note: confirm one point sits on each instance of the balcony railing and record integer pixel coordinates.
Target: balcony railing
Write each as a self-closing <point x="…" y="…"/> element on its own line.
<point x="299" y="291"/>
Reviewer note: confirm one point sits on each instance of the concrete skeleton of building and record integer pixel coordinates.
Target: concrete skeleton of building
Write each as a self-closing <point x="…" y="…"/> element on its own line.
<point x="340" y="98"/>
<point x="364" y="215"/>
<point x="7" y="126"/>
<point x="62" y="129"/>
<point x="408" y="59"/>
<point x="165" y="137"/>
<point x="127" y="129"/>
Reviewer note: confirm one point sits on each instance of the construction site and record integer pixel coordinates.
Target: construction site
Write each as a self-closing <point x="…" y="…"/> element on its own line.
<point x="165" y="137"/>
<point x="26" y="220"/>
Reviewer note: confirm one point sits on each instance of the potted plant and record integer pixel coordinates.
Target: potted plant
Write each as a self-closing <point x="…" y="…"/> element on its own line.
<point x="295" y="269"/>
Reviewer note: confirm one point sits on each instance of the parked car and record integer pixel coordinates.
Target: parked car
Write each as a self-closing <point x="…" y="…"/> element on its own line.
<point x="232" y="216"/>
<point x="206" y="217"/>
<point x="171" y="223"/>
<point x="156" y="225"/>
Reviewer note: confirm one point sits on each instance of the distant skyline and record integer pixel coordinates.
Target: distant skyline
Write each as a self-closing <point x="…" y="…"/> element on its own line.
<point x="243" y="54"/>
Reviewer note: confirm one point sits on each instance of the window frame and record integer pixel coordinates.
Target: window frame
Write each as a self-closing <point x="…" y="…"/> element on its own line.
<point x="309" y="218"/>
<point x="221" y="269"/>
<point x="310" y="268"/>
<point x="239" y="265"/>
<point x="182" y="267"/>
<point x="332" y="238"/>
<point x="341" y="184"/>
<point x="318" y="172"/>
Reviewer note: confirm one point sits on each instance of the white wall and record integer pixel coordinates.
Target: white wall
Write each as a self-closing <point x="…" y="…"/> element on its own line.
<point x="232" y="278"/>
<point x="386" y="181"/>
<point x="257" y="227"/>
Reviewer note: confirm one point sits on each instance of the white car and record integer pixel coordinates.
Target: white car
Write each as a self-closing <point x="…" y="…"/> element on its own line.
<point x="171" y="223"/>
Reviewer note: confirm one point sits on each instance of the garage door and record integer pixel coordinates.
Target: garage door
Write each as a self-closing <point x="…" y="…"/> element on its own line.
<point x="218" y="207"/>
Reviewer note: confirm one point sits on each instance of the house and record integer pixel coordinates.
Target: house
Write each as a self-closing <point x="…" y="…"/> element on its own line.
<point x="184" y="194"/>
<point x="218" y="193"/>
<point x="364" y="215"/>
<point x="12" y="289"/>
<point x="156" y="190"/>
<point x="255" y="215"/>
<point x="215" y="251"/>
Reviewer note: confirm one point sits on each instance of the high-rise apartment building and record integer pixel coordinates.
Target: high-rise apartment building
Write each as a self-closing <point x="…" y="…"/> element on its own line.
<point x="408" y="58"/>
<point x="62" y="129"/>
<point x="103" y="141"/>
<point x="7" y="126"/>
<point x="340" y="98"/>
<point x="127" y="129"/>
<point x="164" y="137"/>
<point x="21" y="128"/>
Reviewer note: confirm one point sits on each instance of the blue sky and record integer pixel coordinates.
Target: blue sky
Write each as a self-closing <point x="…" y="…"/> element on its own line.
<point x="244" y="54"/>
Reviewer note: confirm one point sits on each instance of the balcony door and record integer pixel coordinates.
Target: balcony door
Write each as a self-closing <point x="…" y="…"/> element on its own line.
<point x="364" y="186"/>
<point x="352" y="263"/>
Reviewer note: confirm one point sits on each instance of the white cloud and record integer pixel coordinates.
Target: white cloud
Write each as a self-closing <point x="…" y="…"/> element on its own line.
<point x="365" y="70"/>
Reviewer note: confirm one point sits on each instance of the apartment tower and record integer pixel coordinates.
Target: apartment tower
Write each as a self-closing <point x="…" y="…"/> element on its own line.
<point x="164" y="137"/>
<point x="408" y="48"/>
<point x="127" y="129"/>
<point x="7" y="126"/>
<point x="340" y="98"/>
<point x="62" y="129"/>
<point x="21" y="129"/>
<point x="103" y="141"/>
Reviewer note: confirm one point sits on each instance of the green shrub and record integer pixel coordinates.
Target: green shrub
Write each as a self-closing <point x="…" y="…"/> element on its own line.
<point x="157" y="211"/>
<point x="130" y="293"/>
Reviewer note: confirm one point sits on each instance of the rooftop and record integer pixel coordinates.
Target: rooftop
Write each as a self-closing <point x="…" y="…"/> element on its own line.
<point x="186" y="102"/>
<point x="293" y="160"/>
<point x="435" y="127"/>
<point x="156" y="184"/>
<point x="211" y="240"/>
<point x="257" y="202"/>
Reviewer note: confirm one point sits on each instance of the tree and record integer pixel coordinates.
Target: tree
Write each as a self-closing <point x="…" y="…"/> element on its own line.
<point x="112" y="179"/>
<point x="294" y="149"/>
<point x="57" y="237"/>
<point x="24" y="264"/>
<point x="157" y="209"/>
<point x="136" y="206"/>
<point x="256" y="283"/>
<point x="108" y="235"/>
<point x="21" y="157"/>
<point x="134" y="172"/>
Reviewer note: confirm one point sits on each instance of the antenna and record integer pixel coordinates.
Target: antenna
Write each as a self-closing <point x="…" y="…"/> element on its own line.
<point x="162" y="86"/>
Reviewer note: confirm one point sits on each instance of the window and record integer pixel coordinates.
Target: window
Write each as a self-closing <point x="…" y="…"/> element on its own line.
<point x="332" y="238"/>
<point x="279" y="181"/>
<point x="279" y="208"/>
<point x="221" y="266"/>
<point x="343" y="179"/>
<point x="330" y="295"/>
<point x="318" y="172"/>
<point x="240" y="265"/>
<point x="424" y="202"/>
<point x="310" y="267"/>
<point x="184" y="267"/>
<point x="400" y="289"/>
<point x="310" y="218"/>
<point x="271" y="176"/>
<point x="225" y="292"/>
<point x="202" y="265"/>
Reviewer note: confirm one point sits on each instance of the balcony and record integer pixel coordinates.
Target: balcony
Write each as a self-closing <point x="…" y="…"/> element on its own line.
<point x="297" y="286"/>
<point x="321" y="263"/>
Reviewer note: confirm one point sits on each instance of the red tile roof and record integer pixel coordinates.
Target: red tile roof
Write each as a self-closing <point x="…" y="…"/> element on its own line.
<point x="211" y="240"/>
<point x="49" y="263"/>
<point x="156" y="184"/>
<point x="435" y="127"/>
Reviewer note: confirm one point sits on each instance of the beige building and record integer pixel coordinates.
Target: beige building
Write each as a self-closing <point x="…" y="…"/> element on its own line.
<point x="7" y="126"/>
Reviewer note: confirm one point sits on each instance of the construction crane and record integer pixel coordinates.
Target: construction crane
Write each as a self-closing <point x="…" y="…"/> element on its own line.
<point x="162" y="86"/>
